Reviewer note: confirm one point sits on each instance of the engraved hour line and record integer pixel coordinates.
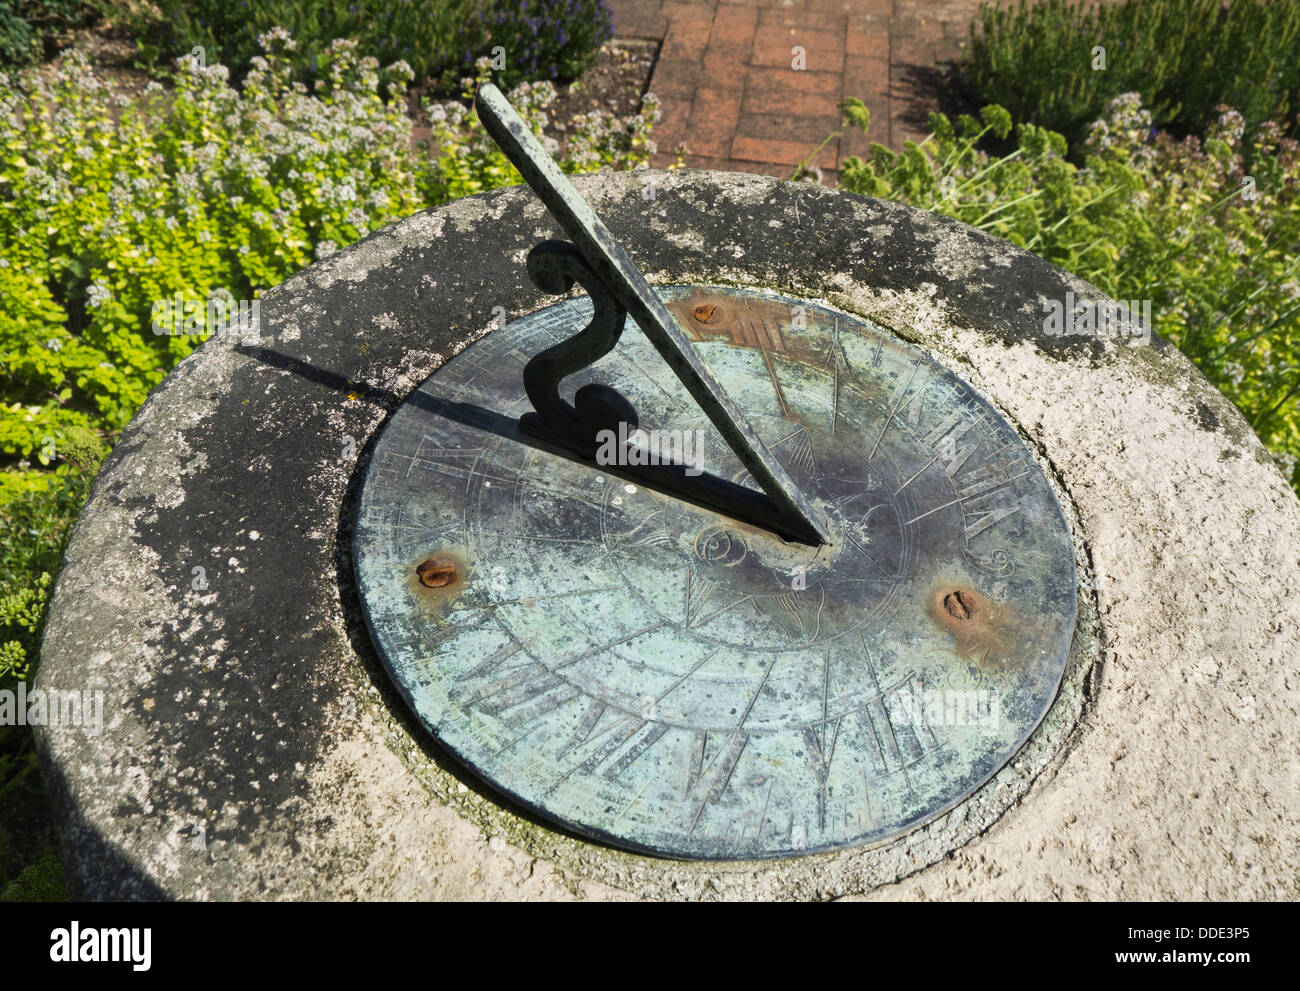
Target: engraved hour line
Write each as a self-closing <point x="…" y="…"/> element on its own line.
<point x="536" y="536"/>
<point x="587" y="724"/>
<point x="709" y="586"/>
<point x="613" y="643"/>
<point x="492" y="604"/>
<point x="719" y="787"/>
<point x="835" y="400"/>
<point x="916" y="364"/>
<point x="634" y="753"/>
<point x="801" y="455"/>
<point x="822" y="769"/>
<point x="936" y="436"/>
<point x="762" y="819"/>
<point x="635" y="798"/>
<point x="875" y="733"/>
<point x="600" y="754"/>
<point x="885" y="576"/>
<point x="787" y="602"/>
<point x="718" y="612"/>
<point x="715" y="792"/>
<point x="826" y="693"/>
<point x="683" y="678"/>
<point x="935" y="510"/>
<point x="675" y="400"/>
<point x="776" y="385"/>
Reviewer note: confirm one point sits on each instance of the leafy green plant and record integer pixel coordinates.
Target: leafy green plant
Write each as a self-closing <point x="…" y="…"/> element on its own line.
<point x="468" y="161"/>
<point x="206" y="192"/>
<point x="1186" y="57"/>
<point x="1177" y="222"/>
<point x="423" y="34"/>
<point x="540" y="39"/>
<point x="440" y="40"/>
<point x="41" y="881"/>
<point x="29" y="27"/>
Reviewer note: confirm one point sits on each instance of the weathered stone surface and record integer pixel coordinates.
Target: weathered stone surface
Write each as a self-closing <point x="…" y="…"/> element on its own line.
<point x="254" y="707"/>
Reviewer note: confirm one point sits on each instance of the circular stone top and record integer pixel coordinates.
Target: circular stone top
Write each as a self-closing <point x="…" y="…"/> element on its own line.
<point x="253" y="747"/>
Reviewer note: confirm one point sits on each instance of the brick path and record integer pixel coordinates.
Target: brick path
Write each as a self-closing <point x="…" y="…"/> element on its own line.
<point x="729" y="90"/>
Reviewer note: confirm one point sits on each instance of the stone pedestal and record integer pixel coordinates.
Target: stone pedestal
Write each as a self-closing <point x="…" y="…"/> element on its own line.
<point x="253" y="747"/>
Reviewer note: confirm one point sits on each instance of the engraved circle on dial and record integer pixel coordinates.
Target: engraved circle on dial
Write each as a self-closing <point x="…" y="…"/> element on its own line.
<point x="656" y="676"/>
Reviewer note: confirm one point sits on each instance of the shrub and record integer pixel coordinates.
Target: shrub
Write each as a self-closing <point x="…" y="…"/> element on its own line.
<point x="469" y="161"/>
<point x="541" y="39"/>
<point x="1185" y="57"/>
<point x="1148" y="218"/>
<point x="440" y="39"/>
<point x="41" y="881"/>
<point x="28" y="27"/>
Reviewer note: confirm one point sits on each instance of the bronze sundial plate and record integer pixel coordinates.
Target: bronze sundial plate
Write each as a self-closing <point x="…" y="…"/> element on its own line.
<point x="655" y="675"/>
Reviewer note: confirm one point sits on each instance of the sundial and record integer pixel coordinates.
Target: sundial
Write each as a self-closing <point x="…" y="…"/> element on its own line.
<point x="758" y="579"/>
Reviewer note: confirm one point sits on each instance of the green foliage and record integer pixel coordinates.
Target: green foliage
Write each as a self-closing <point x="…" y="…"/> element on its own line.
<point x="1184" y="56"/>
<point x="37" y="510"/>
<point x="439" y="39"/>
<point x="469" y="161"/>
<point x="422" y="33"/>
<point x="27" y="26"/>
<point x="1176" y="222"/>
<point x="39" y="882"/>
<point x="540" y="39"/>
<point x="105" y="210"/>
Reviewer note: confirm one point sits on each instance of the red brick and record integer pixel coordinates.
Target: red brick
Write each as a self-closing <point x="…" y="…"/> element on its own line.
<point x="733" y="28"/>
<point x="675" y="78"/>
<point x="831" y="7"/>
<point x="785" y="128"/>
<point x="791" y="93"/>
<point x="708" y="162"/>
<point x="781" y="152"/>
<point x="794" y="81"/>
<point x="775" y="47"/>
<point x="638" y="19"/>
<point x="759" y="168"/>
<point x="865" y="78"/>
<point x="725" y="67"/>
<point x="686" y="39"/>
<point x="854" y="142"/>
<point x="872" y="42"/>
<point x="672" y="126"/>
<point x="690" y="9"/>
<point x="713" y="121"/>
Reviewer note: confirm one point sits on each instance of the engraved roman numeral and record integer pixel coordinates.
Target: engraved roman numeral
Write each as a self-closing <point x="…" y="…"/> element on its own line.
<point x="945" y="441"/>
<point x="651" y="737"/>
<point x="724" y="766"/>
<point x="988" y="508"/>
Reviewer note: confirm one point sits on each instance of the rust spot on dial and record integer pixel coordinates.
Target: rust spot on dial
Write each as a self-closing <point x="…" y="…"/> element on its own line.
<point x="705" y="313"/>
<point x="436" y="572"/>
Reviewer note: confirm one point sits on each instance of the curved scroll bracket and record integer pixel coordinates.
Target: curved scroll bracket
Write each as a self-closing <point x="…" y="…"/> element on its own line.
<point x="554" y="266"/>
